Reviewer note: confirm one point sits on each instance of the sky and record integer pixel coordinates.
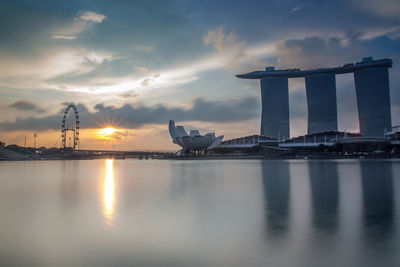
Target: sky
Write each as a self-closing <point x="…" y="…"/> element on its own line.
<point x="134" y="65"/>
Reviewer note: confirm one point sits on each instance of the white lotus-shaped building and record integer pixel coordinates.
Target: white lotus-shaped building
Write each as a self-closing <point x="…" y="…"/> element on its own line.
<point x="193" y="141"/>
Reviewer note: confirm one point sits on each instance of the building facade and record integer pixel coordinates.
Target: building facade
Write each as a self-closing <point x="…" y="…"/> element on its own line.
<point x="371" y="79"/>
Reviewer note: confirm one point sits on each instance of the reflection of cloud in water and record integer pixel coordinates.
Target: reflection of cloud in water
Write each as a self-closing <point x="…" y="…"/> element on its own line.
<point x="109" y="192"/>
<point x="324" y="193"/>
<point x="196" y="184"/>
<point x="276" y="184"/>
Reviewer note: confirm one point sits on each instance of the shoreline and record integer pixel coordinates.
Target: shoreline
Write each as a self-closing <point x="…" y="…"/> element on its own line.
<point x="209" y="157"/>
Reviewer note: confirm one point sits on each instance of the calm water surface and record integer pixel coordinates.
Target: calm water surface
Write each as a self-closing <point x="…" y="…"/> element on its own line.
<point x="200" y="213"/>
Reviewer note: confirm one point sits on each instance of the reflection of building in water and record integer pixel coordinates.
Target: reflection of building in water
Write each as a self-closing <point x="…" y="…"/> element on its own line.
<point x="324" y="194"/>
<point x="276" y="184"/>
<point x="108" y="210"/>
<point x="377" y="186"/>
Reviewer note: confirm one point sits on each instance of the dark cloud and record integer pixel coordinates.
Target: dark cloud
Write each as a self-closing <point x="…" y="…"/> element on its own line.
<point x="318" y="52"/>
<point x="131" y="117"/>
<point x="24" y="105"/>
<point x="129" y="94"/>
<point x="118" y="135"/>
<point x="311" y="52"/>
<point x="276" y="19"/>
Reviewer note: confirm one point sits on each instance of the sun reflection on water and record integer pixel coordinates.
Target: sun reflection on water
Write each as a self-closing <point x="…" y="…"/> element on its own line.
<point x="109" y="193"/>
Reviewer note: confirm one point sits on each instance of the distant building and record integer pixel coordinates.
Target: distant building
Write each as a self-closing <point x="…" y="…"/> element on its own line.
<point x="247" y="141"/>
<point x="337" y="142"/>
<point x="246" y="145"/>
<point x="394" y="135"/>
<point x="329" y="138"/>
<point x="193" y="142"/>
<point x="371" y="79"/>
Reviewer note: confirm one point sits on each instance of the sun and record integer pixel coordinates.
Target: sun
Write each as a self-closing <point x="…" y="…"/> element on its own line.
<point x="106" y="133"/>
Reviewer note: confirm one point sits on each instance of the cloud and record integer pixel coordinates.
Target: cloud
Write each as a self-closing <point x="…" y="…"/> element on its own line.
<point x="296" y="9"/>
<point x="113" y="135"/>
<point x="221" y="41"/>
<point x="235" y="54"/>
<point x="91" y="16"/>
<point x="65" y="37"/>
<point x="98" y="58"/>
<point x="383" y="8"/>
<point x="81" y="23"/>
<point x="129" y="94"/>
<point x="144" y="48"/>
<point x="24" y="105"/>
<point x="163" y="81"/>
<point x="131" y="117"/>
<point x="146" y="83"/>
<point x="141" y="69"/>
<point x="71" y="31"/>
<point x="91" y="71"/>
<point x="45" y="70"/>
<point x="227" y="44"/>
<point x="316" y="51"/>
<point x="120" y="135"/>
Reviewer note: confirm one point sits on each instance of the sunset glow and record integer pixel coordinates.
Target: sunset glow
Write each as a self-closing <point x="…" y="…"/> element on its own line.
<point x="106" y="133"/>
<point x="126" y="87"/>
<point x="109" y="192"/>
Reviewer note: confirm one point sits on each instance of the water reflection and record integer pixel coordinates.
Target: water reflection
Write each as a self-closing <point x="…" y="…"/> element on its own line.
<point x="70" y="185"/>
<point x="108" y="210"/>
<point x="276" y="185"/>
<point x="378" y="208"/>
<point x="200" y="213"/>
<point x="324" y="194"/>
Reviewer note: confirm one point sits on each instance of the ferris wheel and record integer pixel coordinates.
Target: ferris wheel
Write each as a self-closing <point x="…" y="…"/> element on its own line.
<point x="75" y="130"/>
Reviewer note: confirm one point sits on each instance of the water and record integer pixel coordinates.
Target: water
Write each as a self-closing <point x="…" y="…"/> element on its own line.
<point x="200" y="213"/>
